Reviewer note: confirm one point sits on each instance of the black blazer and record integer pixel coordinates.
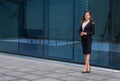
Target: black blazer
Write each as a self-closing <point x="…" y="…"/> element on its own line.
<point x="89" y="28"/>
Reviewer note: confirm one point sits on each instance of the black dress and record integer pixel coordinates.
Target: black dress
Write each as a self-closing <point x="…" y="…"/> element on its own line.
<point x="86" y="40"/>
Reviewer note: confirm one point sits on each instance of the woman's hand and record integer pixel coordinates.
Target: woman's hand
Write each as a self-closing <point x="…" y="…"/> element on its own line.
<point x="83" y="33"/>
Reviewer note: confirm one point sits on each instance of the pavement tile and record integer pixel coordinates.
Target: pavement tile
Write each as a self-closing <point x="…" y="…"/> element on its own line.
<point x="78" y="74"/>
<point x="31" y="77"/>
<point x="55" y="75"/>
<point x="21" y="80"/>
<point x="1" y="74"/>
<point x="47" y="79"/>
<point x="39" y="72"/>
<point x="97" y="77"/>
<point x="5" y="70"/>
<point x="63" y="71"/>
<point x="25" y="69"/>
<point x="7" y="78"/>
<point x="112" y="79"/>
<point x="71" y="78"/>
<point x="16" y="73"/>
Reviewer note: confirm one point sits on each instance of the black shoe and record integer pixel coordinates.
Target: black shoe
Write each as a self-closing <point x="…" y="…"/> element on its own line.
<point x="84" y="71"/>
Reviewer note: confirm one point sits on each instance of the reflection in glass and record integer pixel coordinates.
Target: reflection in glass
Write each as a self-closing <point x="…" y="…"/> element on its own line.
<point x="31" y="39"/>
<point x="9" y="27"/>
<point x="115" y="35"/>
<point x="101" y="45"/>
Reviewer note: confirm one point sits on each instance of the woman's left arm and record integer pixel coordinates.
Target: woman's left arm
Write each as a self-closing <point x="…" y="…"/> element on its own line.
<point x="92" y="29"/>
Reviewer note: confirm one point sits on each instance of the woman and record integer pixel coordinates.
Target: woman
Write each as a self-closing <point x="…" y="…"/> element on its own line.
<point x="86" y="31"/>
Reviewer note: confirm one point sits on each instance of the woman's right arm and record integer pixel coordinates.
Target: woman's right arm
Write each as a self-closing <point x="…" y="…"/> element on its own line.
<point x="80" y="29"/>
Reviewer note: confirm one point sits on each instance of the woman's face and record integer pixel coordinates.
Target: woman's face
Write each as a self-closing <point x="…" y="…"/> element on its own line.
<point x="87" y="16"/>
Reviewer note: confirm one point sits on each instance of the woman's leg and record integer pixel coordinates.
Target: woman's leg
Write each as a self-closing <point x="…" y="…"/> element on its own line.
<point x="88" y="62"/>
<point x="89" y="42"/>
<point x="85" y="66"/>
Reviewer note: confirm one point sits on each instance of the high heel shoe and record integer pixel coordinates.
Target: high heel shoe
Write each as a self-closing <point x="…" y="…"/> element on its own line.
<point x="88" y="70"/>
<point x="85" y="70"/>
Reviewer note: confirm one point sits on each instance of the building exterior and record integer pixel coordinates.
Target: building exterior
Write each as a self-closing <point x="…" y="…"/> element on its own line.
<point x="49" y="29"/>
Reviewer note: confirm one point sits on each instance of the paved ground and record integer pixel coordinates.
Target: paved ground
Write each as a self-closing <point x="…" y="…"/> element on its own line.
<point x="21" y="68"/>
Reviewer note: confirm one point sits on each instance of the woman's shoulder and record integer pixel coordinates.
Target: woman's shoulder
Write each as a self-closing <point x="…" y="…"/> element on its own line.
<point x="92" y="23"/>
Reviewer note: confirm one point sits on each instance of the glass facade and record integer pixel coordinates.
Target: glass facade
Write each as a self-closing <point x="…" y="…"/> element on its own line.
<point x="49" y="29"/>
<point x="8" y="27"/>
<point x="115" y="34"/>
<point x="101" y="40"/>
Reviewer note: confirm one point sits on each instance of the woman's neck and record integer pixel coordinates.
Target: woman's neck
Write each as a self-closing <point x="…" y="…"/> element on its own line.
<point x="86" y="20"/>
